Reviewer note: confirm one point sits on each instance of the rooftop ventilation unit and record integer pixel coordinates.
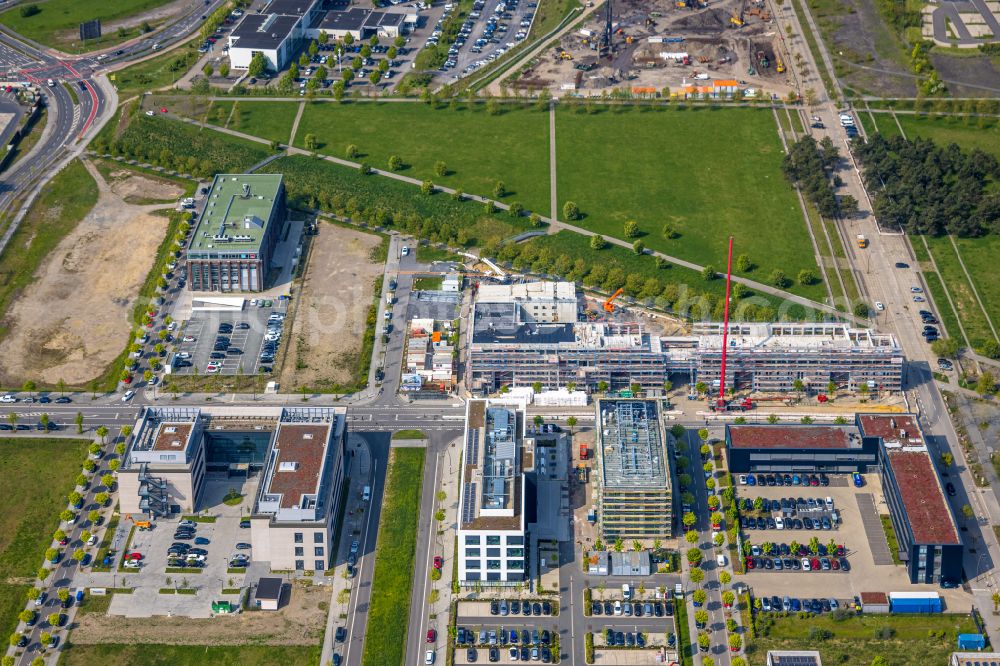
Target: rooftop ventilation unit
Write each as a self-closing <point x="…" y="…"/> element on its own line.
<point x="288" y="466"/>
<point x="246" y="190"/>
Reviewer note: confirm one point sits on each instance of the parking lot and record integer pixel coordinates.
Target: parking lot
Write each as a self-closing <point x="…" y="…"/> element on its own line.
<point x="532" y="641"/>
<point x="491" y="29"/>
<point x="244" y="331"/>
<point x="854" y="507"/>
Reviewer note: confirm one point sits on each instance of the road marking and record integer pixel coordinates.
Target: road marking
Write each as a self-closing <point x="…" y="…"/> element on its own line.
<point x="360" y="574"/>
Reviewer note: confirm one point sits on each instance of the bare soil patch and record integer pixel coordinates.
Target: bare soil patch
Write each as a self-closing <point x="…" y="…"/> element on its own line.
<point x="336" y="293"/>
<point x="141" y="189"/>
<point x="968" y="76"/>
<point x="301" y="622"/>
<point x="75" y="318"/>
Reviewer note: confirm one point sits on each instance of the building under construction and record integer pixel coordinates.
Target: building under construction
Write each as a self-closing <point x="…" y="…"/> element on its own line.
<point x="635" y="477"/>
<point x="514" y="345"/>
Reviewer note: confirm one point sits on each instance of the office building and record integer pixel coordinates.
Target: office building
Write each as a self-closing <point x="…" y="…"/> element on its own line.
<point x="279" y="32"/>
<point x="772" y="357"/>
<point x="528" y="333"/>
<point x="233" y="243"/>
<point x="974" y="659"/>
<point x="793" y="658"/>
<point x="634" y="472"/>
<point x="362" y="24"/>
<point x="930" y="544"/>
<point x="799" y="448"/>
<point x="492" y="528"/>
<point x="298" y="454"/>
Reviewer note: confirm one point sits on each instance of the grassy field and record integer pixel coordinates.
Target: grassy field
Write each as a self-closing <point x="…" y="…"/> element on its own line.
<point x="270" y="120"/>
<point x="477" y="148"/>
<point x="158" y="72"/>
<point x="707" y="173"/>
<point x="944" y="130"/>
<point x="853" y="640"/>
<point x="63" y="202"/>
<point x="885" y="124"/>
<point x="38" y="473"/>
<point x="57" y="21"/>
<point x="973" y="319"/>
<point x="397" y="542"/>
<point x="188" y="655"/>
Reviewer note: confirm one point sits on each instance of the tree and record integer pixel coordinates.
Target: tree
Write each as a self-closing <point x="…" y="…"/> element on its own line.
<point x="879" y="660"/>
<point x="725" y="577"/>
<point x="597" y="242"/>
<point x="208" y="70"/>
<point x="967" y="512"/>
<point x="699" y="597"/>
<point x="365" y="168"/>
<point x="93" y="516"/>
<point x="107" y="480"/>
<point x="310" y="141"/>
<point x="947" y="459"/>
<point x="352" y="151"/>
<point x="224" y="70"/>
<point x="440" y="169"/>
<point x="700" y="617"/>
<point x="689" y="519"/>
<point x="798" y="386"/>
<point x="602" y="386"/>
<point x="778" y="278"/>
<point x="113" y="465"/>
<point x="102" y="432"/>
<point x="78" y="554"/>
<point x="807" y="277"/>
<point x="499" y="190"/>
<point x="631" y="229"/>
<point x="29" y="387"/>
<point x="102" y="498"/>
<point x="257" y="65"/>
<point x="691" y="536"/>
<point x="492" y="107"/>
<point x="571" y="211"/>
<point x="700" y="388"/>
<point x="986" y="384"/>
<point x="639" y="247"/>
<point x="395" y="162"/>
<point x="374" y="77"/>
<point x="571" y="422"/>
<point x="743" y="263"/>
<point x="735" y="642"/>
<point x="55" y="619"/>
<point x="946" y="347"/>
<point x="26" y="616"/>
<point x="718" y="539"/>
<point x="619" y="545"/>
<point x="708" y="273"/>
<point x="693" y="556"/>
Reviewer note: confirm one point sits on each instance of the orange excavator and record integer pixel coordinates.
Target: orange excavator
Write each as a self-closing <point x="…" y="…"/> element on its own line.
<point x="609" y="305"/>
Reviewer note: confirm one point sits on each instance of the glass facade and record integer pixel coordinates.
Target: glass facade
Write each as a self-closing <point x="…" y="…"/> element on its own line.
<point x="226" y="447"/>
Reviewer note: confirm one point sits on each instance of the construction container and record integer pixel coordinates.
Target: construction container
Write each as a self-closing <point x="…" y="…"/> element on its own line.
<point x="914" y="602"/>
<point x="971" y="642"/>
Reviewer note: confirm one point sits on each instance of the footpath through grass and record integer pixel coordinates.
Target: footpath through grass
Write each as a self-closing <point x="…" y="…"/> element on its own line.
<point x="705" y="172"/>
<point x="188" y="655"/>
<point x="967" y="133"/>
<point x="57" y="22"/>
<point x="971" y="314"/>
<point x="478" y="148"/>
<point x="268" y="120"/>
<point x="37" y="474"/>
<point x="62" y="204"/>
<point x="909" y="639"/>
<point x="397" y="543"/>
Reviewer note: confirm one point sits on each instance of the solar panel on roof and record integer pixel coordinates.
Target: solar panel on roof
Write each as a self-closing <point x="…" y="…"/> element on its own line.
<point x="469" y="503"/>
<point x="472" y="447"/>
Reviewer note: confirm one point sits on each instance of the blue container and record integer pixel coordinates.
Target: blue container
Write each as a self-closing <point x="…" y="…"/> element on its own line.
<point x="971" y="642"/>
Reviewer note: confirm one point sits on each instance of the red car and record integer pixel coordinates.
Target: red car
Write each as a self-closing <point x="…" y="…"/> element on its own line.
<point x="163" y="109"/>
<point x="840" y="550"/>
<point x="133" y="556"/>
<point x="749" y="563"/>
<point x="63" y="541"/>
<point x="438" y="562"/>
<point x="835" y="563"/>
<point x="432" y="635"/>
<point x="815" y="564"/>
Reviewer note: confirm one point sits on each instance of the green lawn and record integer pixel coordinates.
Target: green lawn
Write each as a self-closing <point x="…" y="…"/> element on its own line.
<point x="189" y="655"/>
<point x="706" y="172"/>
<point x="980" y="256"/>
<point x="38" y="474"/>
<point x="853" y="640"/>
<point x="64" y="201"/>
<point x="57" y="21"/>
<point x="885" y="124"/>
<point x="477" y="148"/>
<point x="270" y="120"/>
<point x="397" y="542"/>
<point x="951" y="272"/>
<point x="427" y="254"/>
<point x="949" y="129"/>
<point x="158" y="72"/>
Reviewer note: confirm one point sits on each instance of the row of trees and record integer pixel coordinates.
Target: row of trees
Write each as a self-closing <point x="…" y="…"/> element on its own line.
<point x="926" y="189"/>
<point x="808" y="165"/>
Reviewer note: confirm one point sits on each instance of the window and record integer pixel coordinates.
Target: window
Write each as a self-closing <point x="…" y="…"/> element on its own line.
<point x="473" y="564"/>
<point x="299" y="551"/>
<point x="515" y="565"/>
<point x="320" y="565"/>
<point x="472" y="552"/>
<point x="318" y="551"/>
<point x="492" y="552"/>
<point x="472" y="540"/>
<point x="298" y="537"/>
<point x="492" y="540"/>
<point x="299" y="565"/>
<point x="515" y="552"/>
<point x="492" y="564"/>
<point x="515" y="541"/>
<point x="317" y="537"/>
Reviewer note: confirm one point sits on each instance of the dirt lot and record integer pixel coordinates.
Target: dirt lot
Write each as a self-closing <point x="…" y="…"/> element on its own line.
<point x="139" y="189"/>
<point x="75" y="318"/>
<point x="301" y="622"/>
<point x="329" y="324"/>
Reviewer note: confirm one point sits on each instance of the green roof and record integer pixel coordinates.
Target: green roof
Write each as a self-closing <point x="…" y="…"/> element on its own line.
<point x="245" y="217"/>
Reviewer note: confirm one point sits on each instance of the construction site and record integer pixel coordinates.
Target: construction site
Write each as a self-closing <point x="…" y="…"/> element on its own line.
<point x="687" y="49"/>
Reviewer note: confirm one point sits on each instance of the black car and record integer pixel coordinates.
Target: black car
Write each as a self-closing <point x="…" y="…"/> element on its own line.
<point x="596" y="608"/>
<point x="807" y="523"/>
<point x="494" y="608"/>
<point x="526" y="608"/>
<point x="608" y="610"/>
<point x="761" y="524"/>
<point x="824" y="480"/>
<point x="217" y="354"/>
<point x="536" y="608"/>
<point x="494" y="655"/>
<point x="950" y="488"/>
<point x="844" y="564"/>
<point x="546" y="608"/>
<point x="471" y="655"/>
<point x="64" y="399"/>
<point x="44" y="399"/>
<point x="22" y="641"/>
<point x="515" y="607"/>
<point x="900" y="264"/>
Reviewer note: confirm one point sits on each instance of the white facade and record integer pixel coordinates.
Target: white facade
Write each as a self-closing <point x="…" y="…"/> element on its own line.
<point x="548" y="302"/>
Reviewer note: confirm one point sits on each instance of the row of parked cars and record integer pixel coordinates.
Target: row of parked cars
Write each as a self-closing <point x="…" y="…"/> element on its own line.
<point x="10" y="398"/>
<point x="784" y="480"/>
<point x="786" y="523"/>
<point x="648" y="609"/>
<point x="517" y="607"/>
<point x="790" y="605"/>
<point x="181" y="554"/>
<point x="521" y="645"/>
<point x="272" y="338"/>
<point x="796" y="564"/>
<point x="614" y="638"/>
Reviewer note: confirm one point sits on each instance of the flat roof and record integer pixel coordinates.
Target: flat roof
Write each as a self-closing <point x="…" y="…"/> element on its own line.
<point x="526" y="291"/>
<point x="789" y="336"/>
<point x="975" y="659"/>
<point x="874" y="598"/>
<point x="377" y="19"/>
<point x="289" y="7"/>
<point x="902" y="428"/>
<point x="263" y="31"/>
<point x="172" y="436"/>
<point x="632" y="451"/>
<point x="269" y="588"/>
<point x="793" y="437"/>
<point x="493" y="462"/>
<point x="232" y="221"/>
<point x="340" y="19"/>
<point x="296" y="472"/>
<point x="927" y="511"/>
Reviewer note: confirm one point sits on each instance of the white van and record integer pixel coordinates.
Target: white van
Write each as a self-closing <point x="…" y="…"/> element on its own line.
<point x="626" y="591"/>
<point x="779" y="523"/>
<point x="366" y="494"/>
<point x="829" y="504"/>
<point x="720" y="560"/>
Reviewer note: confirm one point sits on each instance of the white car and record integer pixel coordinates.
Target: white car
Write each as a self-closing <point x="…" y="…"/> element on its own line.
<point x="879" y="306"/>
<point x="916" y="290"/>
<point x="188" y="338"/>
<point x="131" y="564"/>
<point x="171" y="326"/>
<point x="128" y="395"/>
<point x="406" y="250"/>
<point x="92" y="540"/>
<point x="151" y="113"/>
<point x="429" y="657"/>
<point x="7" y="398"/>
<point x="183" y="355"/>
